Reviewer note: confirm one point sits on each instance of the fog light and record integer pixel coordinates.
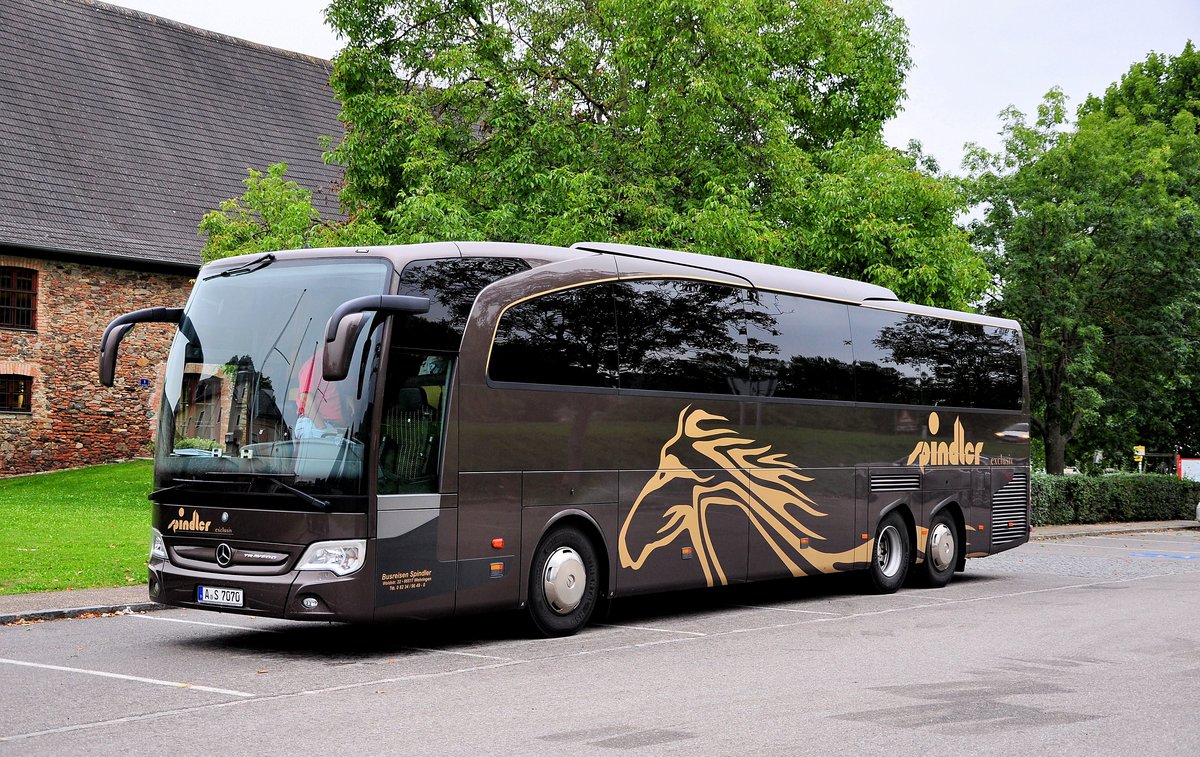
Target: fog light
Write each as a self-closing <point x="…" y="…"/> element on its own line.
<point x="310" y="603"/>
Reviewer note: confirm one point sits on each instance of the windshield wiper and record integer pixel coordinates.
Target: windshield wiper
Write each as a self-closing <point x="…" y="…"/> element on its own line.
<point x="320" y="504"/>
<point x="251" y="267"/>
<point x="276" y="479"/>
<point x="153" y="496"/>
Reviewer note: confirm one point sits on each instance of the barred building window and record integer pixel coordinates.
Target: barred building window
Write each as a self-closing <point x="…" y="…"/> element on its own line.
<point x="14" y="394"/>
<point x="18" y="298"/>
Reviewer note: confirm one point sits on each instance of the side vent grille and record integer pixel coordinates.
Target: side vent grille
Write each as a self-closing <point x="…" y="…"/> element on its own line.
<point x="1010" y="510"/>
<point x="896" y="482"/>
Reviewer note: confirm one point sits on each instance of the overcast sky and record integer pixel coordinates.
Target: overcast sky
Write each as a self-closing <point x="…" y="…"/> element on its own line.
<point x="972" y="58"/>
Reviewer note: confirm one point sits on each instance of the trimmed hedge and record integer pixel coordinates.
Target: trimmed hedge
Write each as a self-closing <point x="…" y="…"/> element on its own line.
<point x="1126" y="497"/>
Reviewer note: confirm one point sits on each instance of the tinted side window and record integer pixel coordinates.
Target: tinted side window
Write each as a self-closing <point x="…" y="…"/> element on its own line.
<point x="994" y="373"/>
<point x="451" y="284"/>
<point x="567" y="338"/>
<point x="681" y="336"/>
<point x="799" y="347"/>
<point x="886" y="346"/>
<point x="932" y="361"/>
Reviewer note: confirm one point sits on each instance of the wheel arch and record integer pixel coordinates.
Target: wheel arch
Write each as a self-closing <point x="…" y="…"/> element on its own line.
<point x="904" y="510"/>
<point x="592" y="530"/>
<point x="955" y="510"/>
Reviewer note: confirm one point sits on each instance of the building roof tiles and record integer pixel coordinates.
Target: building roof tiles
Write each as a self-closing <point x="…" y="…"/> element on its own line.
<point x="119" y="130"/>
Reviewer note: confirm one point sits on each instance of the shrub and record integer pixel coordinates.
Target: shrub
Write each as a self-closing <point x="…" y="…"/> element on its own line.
<point x="192" y="442"/>
<point x="1060" y="500"/>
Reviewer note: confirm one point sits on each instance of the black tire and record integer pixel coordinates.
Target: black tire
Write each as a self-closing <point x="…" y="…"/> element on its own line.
<point x="891" y="554"/>
<point x="557" y="606"/>
<point x="941" y="551"/>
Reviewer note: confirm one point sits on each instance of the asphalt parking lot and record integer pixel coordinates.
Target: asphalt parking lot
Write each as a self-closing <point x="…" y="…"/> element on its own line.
<point x="1088" y="644"/>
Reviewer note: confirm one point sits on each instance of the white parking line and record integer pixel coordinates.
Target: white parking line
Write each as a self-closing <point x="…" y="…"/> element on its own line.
<point x="204" y="623"/>
<point x="650" y="628"/>
<point x="460" y="654"/>
<point x="1178" y="547"/>
<point x="1184" y="544"/>
<point x="123" y="677"/>
<point x="786" y="609"/>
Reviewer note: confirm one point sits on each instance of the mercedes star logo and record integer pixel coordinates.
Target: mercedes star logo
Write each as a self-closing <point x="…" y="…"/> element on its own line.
<point x="224" y="555"/>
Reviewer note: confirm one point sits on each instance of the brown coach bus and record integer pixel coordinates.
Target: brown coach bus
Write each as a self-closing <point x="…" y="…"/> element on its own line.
<point x="443" y="429"/>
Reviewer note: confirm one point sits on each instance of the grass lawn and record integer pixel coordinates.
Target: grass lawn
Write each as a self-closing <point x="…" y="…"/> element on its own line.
<point x="77" y="529"/>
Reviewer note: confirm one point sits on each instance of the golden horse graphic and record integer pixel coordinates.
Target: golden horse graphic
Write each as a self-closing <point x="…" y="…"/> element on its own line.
<point x="763" y="486"/>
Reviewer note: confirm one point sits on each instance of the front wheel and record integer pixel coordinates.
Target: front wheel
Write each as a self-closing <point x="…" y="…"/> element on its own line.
<point x="563" y="583"/>
<point x="941" y="551"/>
<point x="891" y="554"/>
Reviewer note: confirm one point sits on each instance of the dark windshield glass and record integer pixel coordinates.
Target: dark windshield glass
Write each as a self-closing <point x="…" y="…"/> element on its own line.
<point x="245" y="408"/>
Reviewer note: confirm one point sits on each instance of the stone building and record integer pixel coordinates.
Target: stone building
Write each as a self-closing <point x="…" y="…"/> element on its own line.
<point x="118" y="131"/>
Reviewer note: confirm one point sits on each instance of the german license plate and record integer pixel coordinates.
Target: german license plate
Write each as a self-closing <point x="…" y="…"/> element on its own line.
<point x="219" y="595"/>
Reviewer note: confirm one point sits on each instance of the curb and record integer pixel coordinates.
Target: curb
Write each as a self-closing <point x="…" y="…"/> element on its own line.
<point x="35" y="616"/>
<point x="1114" y="531"/>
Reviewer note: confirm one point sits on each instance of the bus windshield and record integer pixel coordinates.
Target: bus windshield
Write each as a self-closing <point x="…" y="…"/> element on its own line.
<point x="245" y="409"/>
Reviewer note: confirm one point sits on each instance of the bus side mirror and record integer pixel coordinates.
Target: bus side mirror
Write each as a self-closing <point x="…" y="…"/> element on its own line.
<point x="120" y="326"/>
<point x="346" y="324"/>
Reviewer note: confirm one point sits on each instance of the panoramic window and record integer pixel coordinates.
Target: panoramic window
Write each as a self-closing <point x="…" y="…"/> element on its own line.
<point x="799" y="348"/>
<point x="18" y="298"/>
<point x="933" y="361"/>
<point x="14" y="394"/>
<point x="565" y="338"/>
<point x="681" y="336"/>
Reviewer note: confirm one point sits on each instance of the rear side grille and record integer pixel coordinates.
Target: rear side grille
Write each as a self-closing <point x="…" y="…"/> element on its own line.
<point x="896" y="482"/>
<point x="1010" y="510"/>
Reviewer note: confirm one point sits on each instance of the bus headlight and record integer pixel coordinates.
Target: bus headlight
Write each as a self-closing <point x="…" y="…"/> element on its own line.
<point x="158" y="550"/>
<point x="342" y="557"/>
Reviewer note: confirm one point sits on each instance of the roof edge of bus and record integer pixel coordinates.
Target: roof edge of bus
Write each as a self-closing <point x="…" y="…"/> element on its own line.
<point x="443" y="249"/>
<point x="761" y="275"/>
<point x="908" y="308"/>
<point x="539" y="252"/>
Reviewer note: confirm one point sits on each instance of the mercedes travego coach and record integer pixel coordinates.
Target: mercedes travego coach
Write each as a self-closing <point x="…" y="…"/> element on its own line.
<point x="443" y="429"/>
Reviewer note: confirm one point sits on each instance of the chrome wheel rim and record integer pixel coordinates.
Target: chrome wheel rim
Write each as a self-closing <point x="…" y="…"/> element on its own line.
<point x="941" y="546"/>
<point x="564" y="580"/>
<point x="888" y="552"/>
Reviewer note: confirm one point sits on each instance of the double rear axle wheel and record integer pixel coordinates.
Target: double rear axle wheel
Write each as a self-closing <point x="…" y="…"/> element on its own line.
<point x="893" y="553"/>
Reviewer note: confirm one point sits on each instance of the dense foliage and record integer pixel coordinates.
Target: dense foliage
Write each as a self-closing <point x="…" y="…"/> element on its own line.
<point x="746" y="128"/>
<point x="1125" y="498"/>
<point x="1090" y="233"/>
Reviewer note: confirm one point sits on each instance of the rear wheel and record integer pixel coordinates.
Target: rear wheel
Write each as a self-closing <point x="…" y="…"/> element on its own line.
<point x="941" y="551"/>
<point x="891" y="554"/>
<point x="564" y="583"/>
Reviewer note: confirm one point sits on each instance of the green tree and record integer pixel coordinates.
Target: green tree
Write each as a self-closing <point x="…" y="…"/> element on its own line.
<point x="748" y="128"/>
<point x="1089" y="233"/>
<point x="276" y="213"/>
<point x="1163" y="415"/>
